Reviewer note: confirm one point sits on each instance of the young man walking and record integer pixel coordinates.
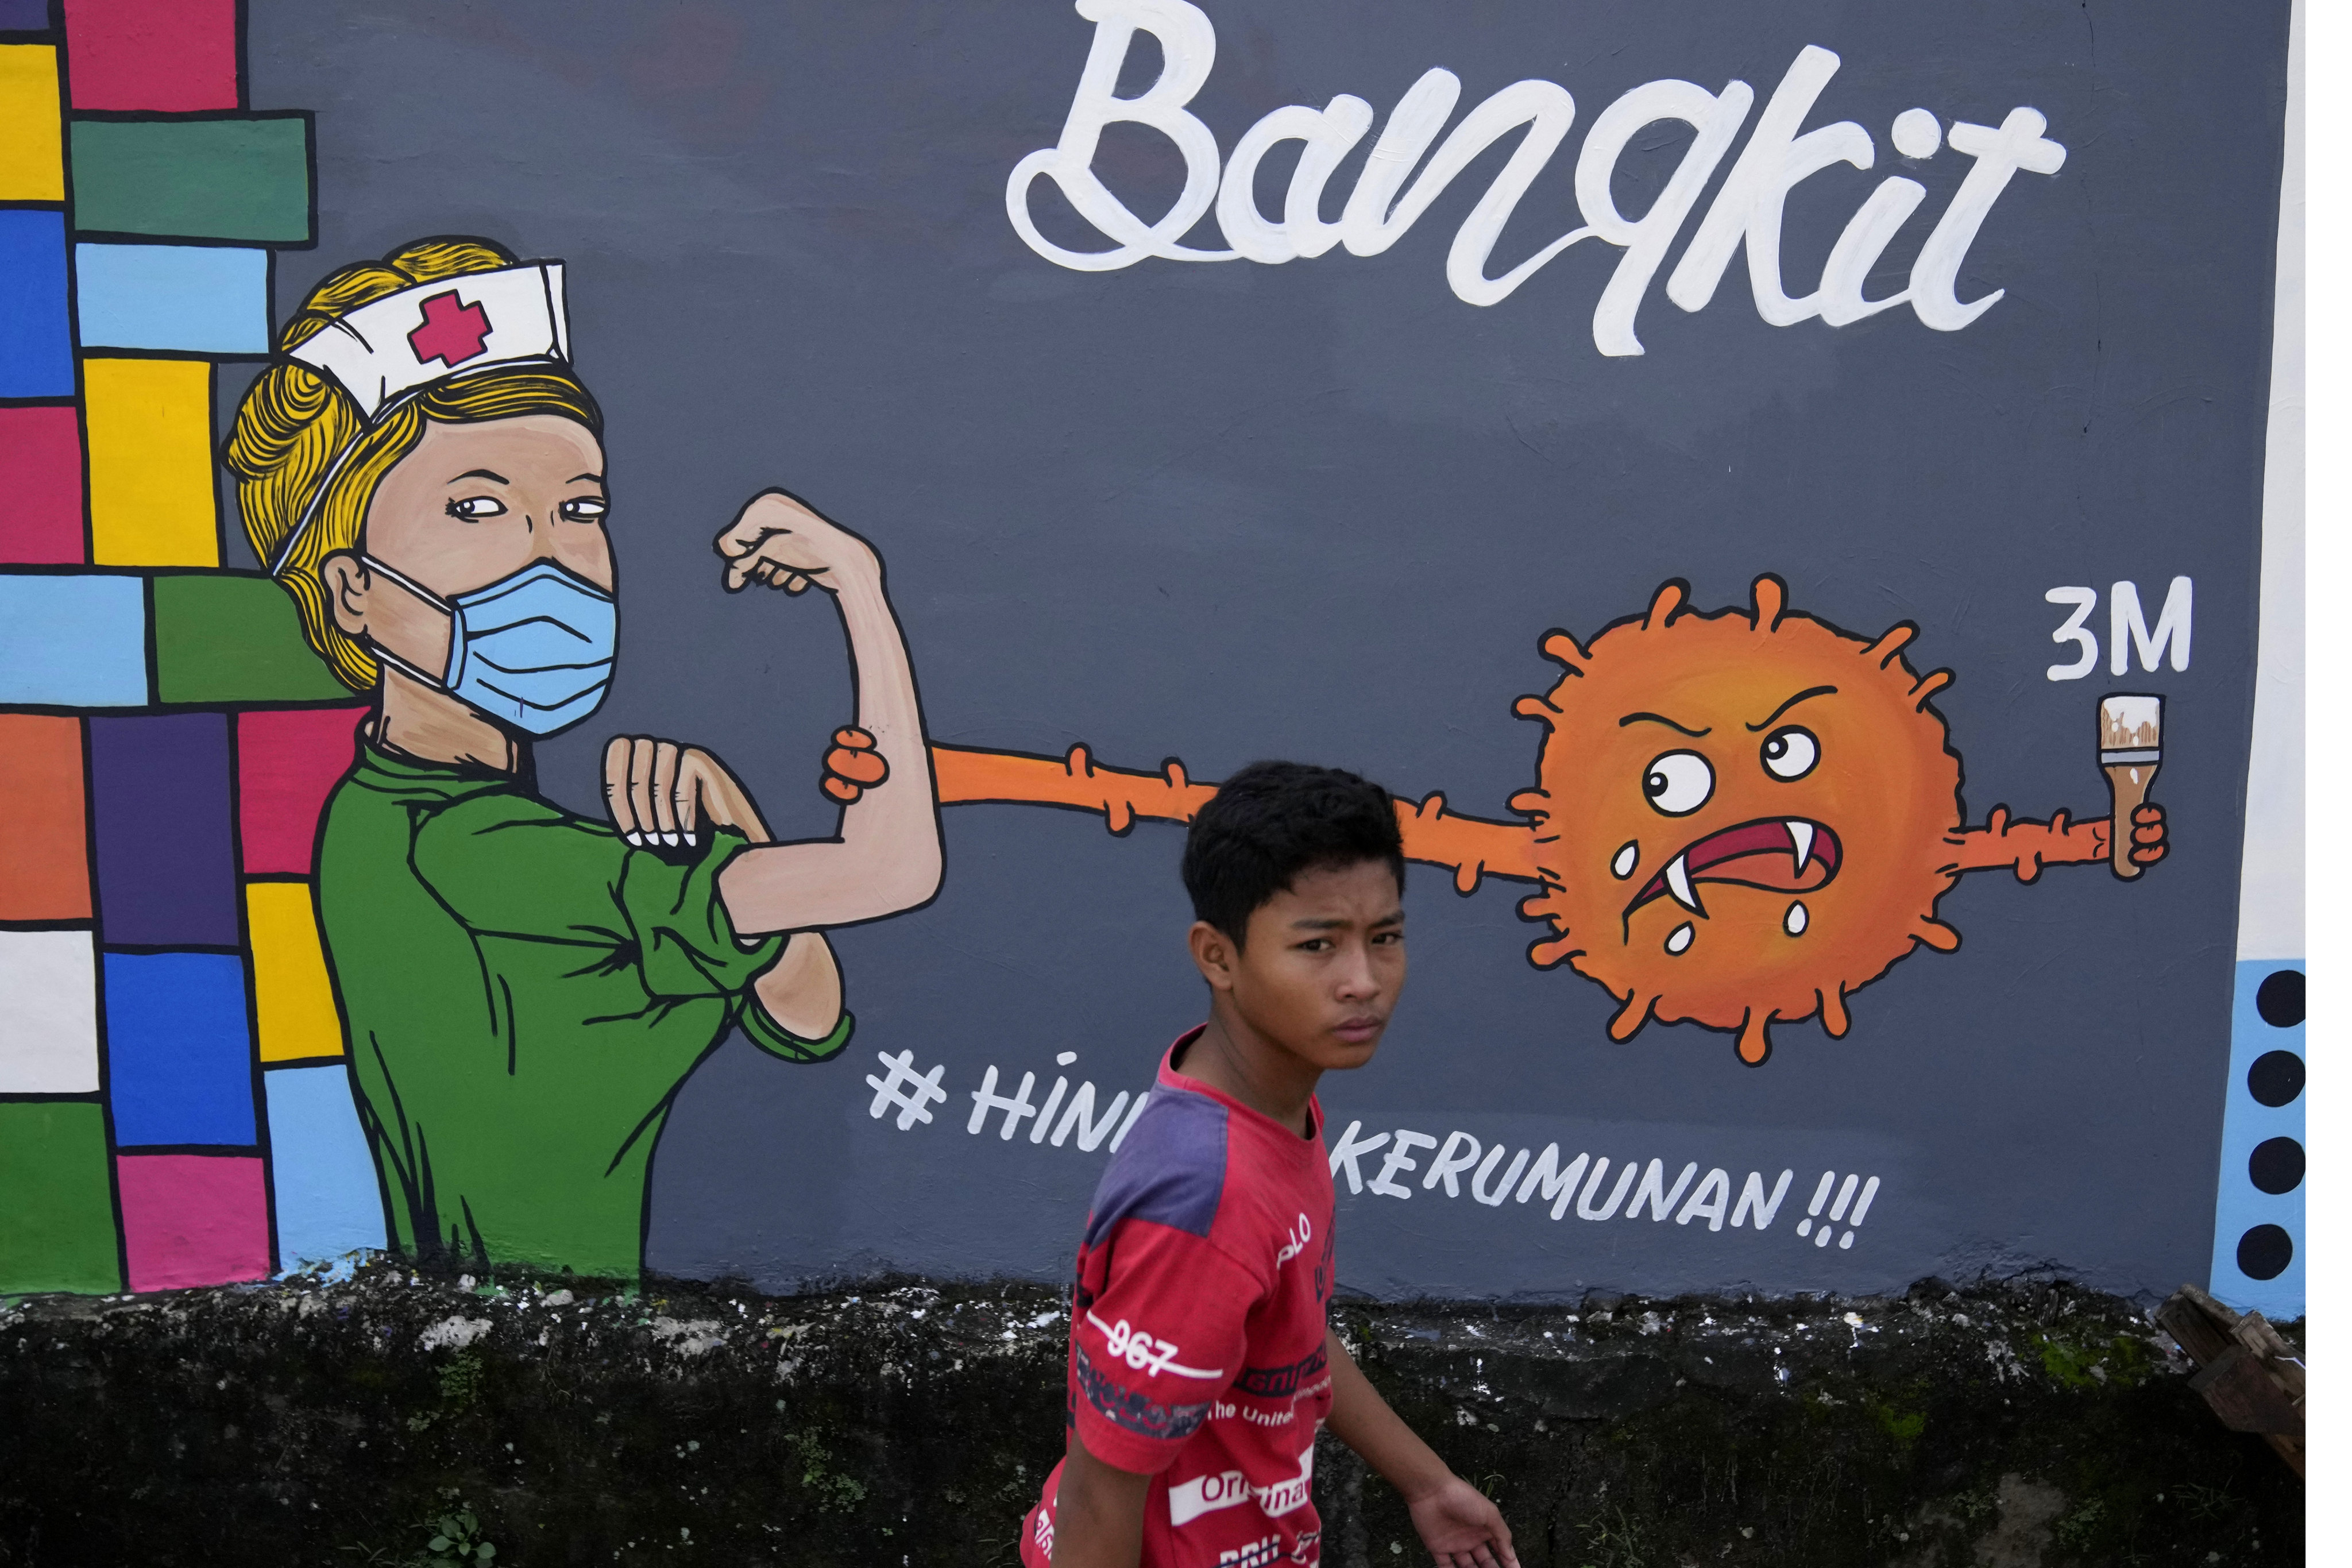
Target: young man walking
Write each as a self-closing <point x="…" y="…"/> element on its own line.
<point x="1201" y="1358"/>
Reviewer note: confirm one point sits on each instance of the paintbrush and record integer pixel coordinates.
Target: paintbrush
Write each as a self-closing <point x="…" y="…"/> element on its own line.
<point x="2131" y="731"/>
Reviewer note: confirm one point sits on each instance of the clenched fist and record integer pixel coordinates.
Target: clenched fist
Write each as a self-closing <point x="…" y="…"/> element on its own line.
<point x="777" y="541"/>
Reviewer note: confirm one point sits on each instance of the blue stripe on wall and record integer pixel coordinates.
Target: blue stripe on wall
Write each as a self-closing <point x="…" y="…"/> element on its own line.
<point x="2262" y="1147"/>
<point x="197" y="298"/>
<point x="77" y="641"/>
<point x="36" y="349"/>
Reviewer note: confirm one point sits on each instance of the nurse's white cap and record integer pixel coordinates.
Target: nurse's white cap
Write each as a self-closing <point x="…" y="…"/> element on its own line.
<point x="406" y="342"/>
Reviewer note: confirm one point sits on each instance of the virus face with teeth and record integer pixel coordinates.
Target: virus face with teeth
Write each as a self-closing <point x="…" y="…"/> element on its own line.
<point x="1740" y="818"/>
<point x="1747" y="816"/>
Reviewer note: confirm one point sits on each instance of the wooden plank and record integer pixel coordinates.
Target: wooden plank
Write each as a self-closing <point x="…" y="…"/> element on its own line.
<point x="2245" y="1397"/>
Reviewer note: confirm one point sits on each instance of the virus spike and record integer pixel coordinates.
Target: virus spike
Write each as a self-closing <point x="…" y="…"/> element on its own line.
<point x="1756" y="1038"/>
<point x="1937" y="934"/>
<point x="1890" y="643"/>
<point x="1530" y="803"/>
<point x="1564" y="649"/>
<point x="1928" y="686"/>
<point x="1834" y="1016"/>
<point x="1767" y="598"/>
<point x="1535" y="906"/>
<point x="1541" y="709"/>
<point x="1665" y="603"/>
<point x="1632" y="1016"/>
<point x="1553" y="950"/>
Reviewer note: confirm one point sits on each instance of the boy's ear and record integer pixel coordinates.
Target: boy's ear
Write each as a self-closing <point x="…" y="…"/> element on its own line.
<point x="1213" y="955"/>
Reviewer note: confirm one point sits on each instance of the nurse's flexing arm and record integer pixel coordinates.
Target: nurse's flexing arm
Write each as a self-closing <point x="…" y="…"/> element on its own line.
<point x="886" y="856"/>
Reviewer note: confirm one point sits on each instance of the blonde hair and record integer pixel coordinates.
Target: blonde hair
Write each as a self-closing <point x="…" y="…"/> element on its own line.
<point x="297" y="430"/>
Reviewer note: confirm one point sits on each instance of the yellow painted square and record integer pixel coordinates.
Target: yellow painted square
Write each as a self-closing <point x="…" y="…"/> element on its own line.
<point x="151" y="502"/>
<point x="294" y="1004"/>
<point x="32" y="142"/>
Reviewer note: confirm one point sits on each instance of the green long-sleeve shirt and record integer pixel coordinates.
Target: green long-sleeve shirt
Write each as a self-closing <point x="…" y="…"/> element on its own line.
<point x="524" y="993"/>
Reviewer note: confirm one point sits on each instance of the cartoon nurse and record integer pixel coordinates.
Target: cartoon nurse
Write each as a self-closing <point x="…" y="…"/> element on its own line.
<point x="525" y="989"/>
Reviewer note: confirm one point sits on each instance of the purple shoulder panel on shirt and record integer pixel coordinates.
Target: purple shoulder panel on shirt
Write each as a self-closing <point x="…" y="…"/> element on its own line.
<point x="1171" y="1170"/>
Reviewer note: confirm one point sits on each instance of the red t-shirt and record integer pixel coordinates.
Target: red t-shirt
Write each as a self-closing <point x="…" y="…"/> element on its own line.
<point x="1197" y="1330"/>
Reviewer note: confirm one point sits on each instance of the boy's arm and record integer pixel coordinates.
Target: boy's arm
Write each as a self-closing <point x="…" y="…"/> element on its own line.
<point x="1098" y="1512"/>
<point x="1457" y="1522"/>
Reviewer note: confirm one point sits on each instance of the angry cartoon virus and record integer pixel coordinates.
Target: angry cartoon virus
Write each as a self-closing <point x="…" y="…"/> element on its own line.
<point x="1739" y="818"/>
<point x="1744" y="816"/>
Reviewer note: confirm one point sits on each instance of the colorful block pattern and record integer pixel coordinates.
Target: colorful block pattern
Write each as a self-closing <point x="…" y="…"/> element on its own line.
<point x="166" y="859"/>
<point x="135" y="54"/>
<point x="328" y="1202"/>
<point x="57" y="1199"/>
<point x="35" y="344"/>
<point x="167" y="740"/>
<point x="223" y="637"/>
<point x="40" y="486"/>
<point x="75" y="642"/>
<point x="178" y="1050"/>
<point x="31" y="169"/>
<point x="247" y="179"/>
<point x="48" y="1031"/>
<point x="293" y="1000"/>
<point x="152" y="501"/>
<point x="186" y="299"/>
<point x="194" y="1219"/>
<point x="44" y="854"/>
<point x="287" y="763"/>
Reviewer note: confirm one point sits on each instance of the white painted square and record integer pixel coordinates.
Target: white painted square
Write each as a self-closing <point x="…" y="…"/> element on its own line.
<point x="48" y="1012"/>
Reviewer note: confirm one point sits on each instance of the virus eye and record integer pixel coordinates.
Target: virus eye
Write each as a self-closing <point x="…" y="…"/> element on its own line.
<point x="1790" y="753"/>
<point x="1678" y="782"/>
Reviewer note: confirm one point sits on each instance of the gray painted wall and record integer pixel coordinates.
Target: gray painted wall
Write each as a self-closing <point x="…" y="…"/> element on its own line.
<point x="1325" y="509"/>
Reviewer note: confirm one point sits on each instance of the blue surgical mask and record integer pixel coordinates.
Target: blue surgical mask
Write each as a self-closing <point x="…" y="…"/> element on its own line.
<point x="533" y="650"/>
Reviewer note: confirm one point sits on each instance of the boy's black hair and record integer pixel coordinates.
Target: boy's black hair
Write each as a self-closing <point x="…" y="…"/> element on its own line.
<point x="1270" y="821"/>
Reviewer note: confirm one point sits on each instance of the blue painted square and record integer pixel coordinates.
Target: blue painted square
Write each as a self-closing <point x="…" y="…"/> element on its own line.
<point x="327" y="1200"/>
<point x="2258" y="1207"/>
<point x="36" y="349"/>
<point x="196" y="299"/>
<point x="179" y="1057"/>
<point x="75" y="641"/>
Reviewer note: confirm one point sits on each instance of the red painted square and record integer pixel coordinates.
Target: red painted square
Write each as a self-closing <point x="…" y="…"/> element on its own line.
<point x="287" y="763"/>
<point x="194" y="1219"/>
<point x="40" y="487"/>
<point x="175" y="55"/>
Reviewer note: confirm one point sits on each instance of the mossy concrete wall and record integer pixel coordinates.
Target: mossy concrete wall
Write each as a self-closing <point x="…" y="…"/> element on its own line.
<point x="310" y="1422"/>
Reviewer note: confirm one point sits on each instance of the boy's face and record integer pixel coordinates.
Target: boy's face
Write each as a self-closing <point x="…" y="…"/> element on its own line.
<point x="1324" y="963"/>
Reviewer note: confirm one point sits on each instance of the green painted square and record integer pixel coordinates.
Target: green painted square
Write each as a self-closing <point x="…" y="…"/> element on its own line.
<point x="56" y="1206"/>
<point x="246" y="178"/>
<point x="223" y="637"/>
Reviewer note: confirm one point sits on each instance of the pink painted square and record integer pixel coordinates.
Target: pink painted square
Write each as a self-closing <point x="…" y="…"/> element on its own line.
<point x="175" y="55"/>
<point x="287" y="763"/>
<point x="40" y="475"/>
<point x="194" y="1219"/>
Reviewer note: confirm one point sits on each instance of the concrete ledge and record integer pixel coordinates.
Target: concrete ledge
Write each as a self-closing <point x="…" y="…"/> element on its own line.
<point x="308" y="1422"/>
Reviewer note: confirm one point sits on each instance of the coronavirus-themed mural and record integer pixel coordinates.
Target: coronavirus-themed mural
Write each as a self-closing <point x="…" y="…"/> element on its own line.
<point x="551" y="557"/>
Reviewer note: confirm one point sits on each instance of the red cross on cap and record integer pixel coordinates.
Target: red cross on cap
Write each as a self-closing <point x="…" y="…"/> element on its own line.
<point x="450" y="332"/>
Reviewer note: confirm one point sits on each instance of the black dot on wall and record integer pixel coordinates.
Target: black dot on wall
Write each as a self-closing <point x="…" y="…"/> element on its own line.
<point x="2276" y="1166"/>
<point x="2264" y="1252"/>
<point x="2275" y="1078"/>
<point x="2279" y="998"/>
